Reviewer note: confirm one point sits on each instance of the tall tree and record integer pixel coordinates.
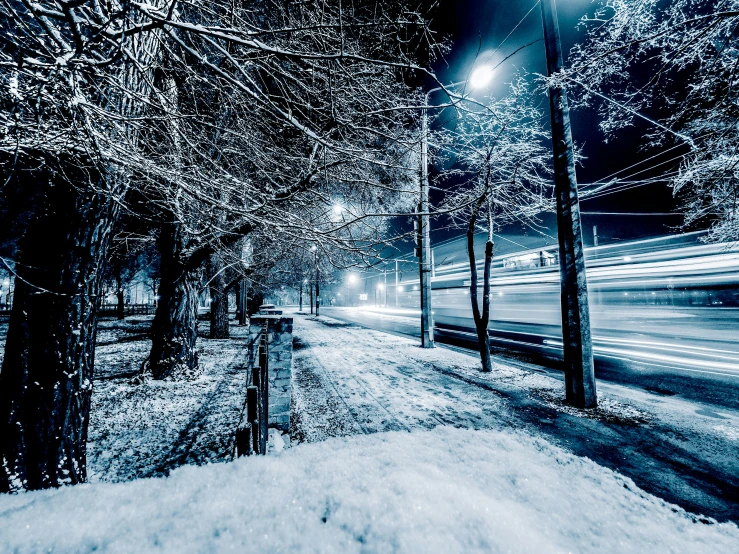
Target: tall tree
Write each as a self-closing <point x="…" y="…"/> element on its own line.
<point x="671" y="67"/>
<point x="500" y="177"/>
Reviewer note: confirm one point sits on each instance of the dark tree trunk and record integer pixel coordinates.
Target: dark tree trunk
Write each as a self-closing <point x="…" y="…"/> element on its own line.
<point x="46" y="377"/>
<point x="243" y="302"/>
<point x="254" y="301"/>
<point x="174" y="330"/>
<point x="481" y="319"/>
<point x="120" y="309"/>
<point x="238" y="302"/>
<point x="218" y="298"/>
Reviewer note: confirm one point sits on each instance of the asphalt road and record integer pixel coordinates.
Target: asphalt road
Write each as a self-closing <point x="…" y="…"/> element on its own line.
<point x="694" y="355"/>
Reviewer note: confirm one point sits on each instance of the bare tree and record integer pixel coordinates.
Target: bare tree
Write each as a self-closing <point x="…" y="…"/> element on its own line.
<point x="503" y="166"/>
<point x="674" y="66"/>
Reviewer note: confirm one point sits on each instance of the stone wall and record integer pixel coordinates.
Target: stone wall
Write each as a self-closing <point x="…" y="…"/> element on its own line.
<point x="280" y="363"/>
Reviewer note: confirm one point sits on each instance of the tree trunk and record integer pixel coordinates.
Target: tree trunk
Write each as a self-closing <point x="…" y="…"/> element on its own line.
<point x="218" y="298"/>
<point x="174" y="330"/>
<point x="243" y="303"/>
<point x="238" y="302"/>
<point x="46" y="377"/>
<point x="481" y="319"/>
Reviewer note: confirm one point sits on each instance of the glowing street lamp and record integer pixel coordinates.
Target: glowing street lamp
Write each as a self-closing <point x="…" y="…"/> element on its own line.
<point x="481" y="76"/>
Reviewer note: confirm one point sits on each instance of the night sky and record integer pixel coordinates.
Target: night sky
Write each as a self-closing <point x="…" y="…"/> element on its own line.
<point x="477" y="28"/>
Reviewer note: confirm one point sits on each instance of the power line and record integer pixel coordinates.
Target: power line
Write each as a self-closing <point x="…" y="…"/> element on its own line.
<point x="633" y="213"/>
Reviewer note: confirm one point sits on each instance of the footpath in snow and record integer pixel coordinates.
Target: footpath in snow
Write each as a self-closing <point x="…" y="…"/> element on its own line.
<point x="349" y="380"/>
<point x="395" y="449"/>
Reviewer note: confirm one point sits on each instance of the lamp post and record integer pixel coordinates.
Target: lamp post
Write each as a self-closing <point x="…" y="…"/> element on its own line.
<point x="479" y="78"/>
<point x="315" y="262"/>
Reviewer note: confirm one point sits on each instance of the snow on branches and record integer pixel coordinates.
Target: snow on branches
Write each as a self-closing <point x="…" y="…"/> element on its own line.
<point x="679" y="61"/>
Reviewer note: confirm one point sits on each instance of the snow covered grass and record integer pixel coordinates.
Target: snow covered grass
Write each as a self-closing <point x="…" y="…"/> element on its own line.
<point x="445" y="490"/>
<point x="149" y="428"/>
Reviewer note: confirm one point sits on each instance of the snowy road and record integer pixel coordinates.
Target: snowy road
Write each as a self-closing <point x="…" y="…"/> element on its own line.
<point x="352" y="380"/>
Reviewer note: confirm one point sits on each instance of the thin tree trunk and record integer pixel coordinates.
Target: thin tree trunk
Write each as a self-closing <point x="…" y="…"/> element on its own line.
<point x="218" y="298"/>
<point x="174" y="330"/>
<point x="481" y="319"/>
<point x="238" y="302"/>
<point x="46" y="377"/>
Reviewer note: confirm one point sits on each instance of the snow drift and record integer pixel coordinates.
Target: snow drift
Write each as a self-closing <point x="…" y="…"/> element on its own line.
<point x="448" y="490"/>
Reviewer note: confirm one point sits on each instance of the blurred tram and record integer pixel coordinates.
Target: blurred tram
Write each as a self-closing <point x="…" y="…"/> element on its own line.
<point x="674" y="286"/>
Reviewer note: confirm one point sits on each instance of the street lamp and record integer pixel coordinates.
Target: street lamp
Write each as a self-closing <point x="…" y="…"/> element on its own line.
<point x="314" y="249"/>
<point x="480" y="77"/>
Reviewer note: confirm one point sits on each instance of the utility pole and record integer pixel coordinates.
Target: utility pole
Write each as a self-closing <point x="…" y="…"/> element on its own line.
<point x="427" y="324"/>
<point x="301" y="295"/>
<point x="310" y="290"/>
<point x="318" y="295"/>
<point x="578" y="348"/>
<point x="396" y="283"/>
<point x="385" y="287"/>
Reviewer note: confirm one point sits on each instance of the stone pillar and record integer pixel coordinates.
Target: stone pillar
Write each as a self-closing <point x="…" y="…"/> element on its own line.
<point x="280" y="363"/>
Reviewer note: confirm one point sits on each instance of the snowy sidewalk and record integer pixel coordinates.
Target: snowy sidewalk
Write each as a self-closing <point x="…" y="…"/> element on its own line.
<point x="437" y="488"/>
<point x="351" y="380"/>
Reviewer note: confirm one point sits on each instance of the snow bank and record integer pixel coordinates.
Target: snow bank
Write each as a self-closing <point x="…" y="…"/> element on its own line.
<point x="447" y="490"/>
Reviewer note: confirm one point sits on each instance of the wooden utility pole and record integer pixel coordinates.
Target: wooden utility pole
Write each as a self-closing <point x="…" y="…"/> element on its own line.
<point x="578" y="348"/>
<point x="318" y="292"/>
<point x="427" y="321"/>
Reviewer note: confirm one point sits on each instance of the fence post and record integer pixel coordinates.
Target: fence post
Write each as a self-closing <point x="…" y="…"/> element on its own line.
<point x="251" y="416"/>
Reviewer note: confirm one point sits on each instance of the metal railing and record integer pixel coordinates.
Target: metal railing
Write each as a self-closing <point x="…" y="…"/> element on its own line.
<point x="251" y="433"/>
<point x="128" y="309"/>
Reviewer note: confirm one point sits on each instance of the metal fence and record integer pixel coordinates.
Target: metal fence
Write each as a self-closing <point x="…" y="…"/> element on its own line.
<point x="128" y="309"/>
<point x="251" y="434"/>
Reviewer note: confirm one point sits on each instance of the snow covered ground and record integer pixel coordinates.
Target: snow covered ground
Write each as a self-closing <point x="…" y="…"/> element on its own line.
<point x="445" y="490"/>
<point x="146" y="429"/>
<point x="394" y="449"/>
<point x="149" y="428"/>
<point x="349" y="379"/>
